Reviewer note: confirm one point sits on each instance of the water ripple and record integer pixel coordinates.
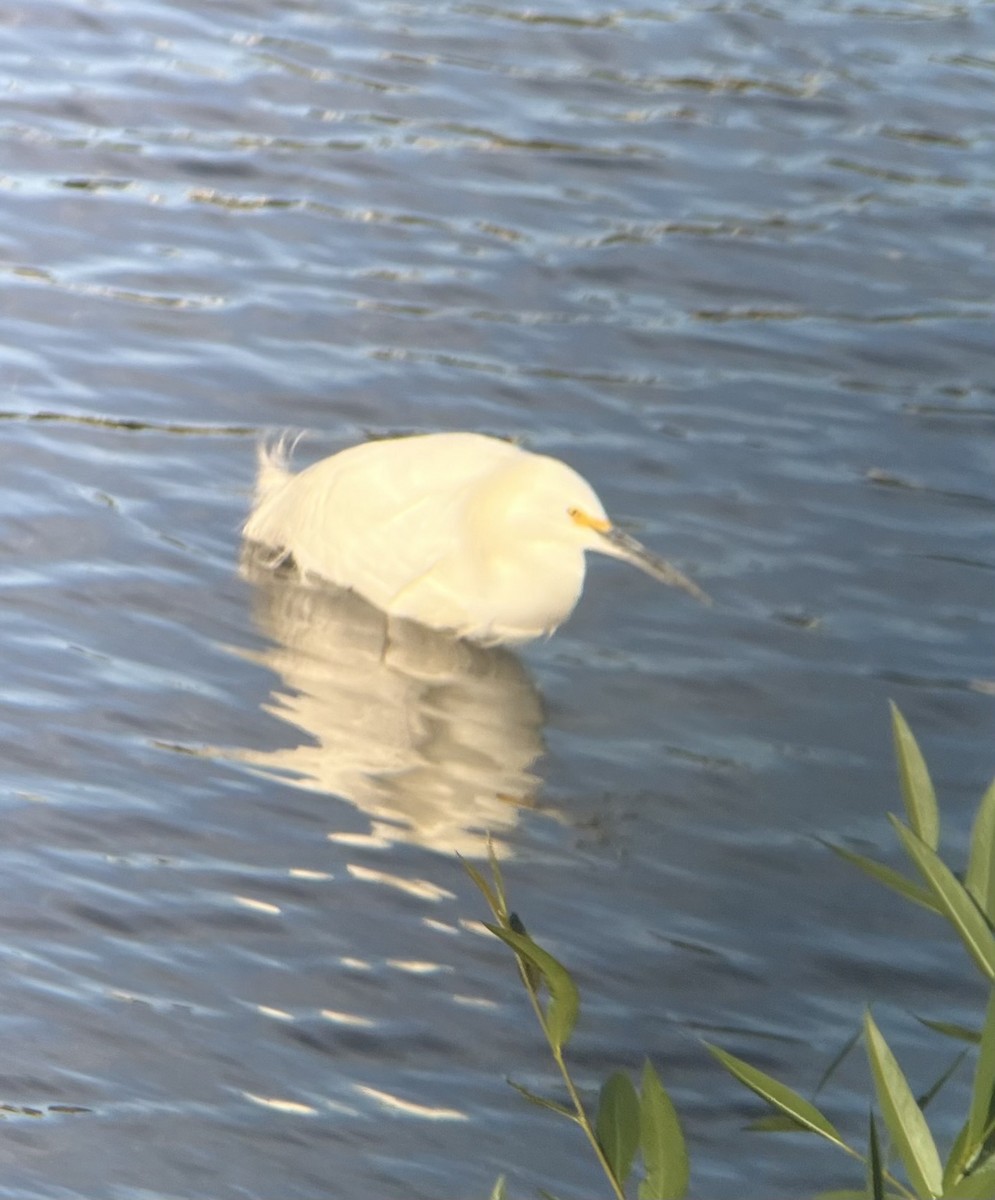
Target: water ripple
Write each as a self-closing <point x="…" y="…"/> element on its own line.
<point x="733" y="263"/>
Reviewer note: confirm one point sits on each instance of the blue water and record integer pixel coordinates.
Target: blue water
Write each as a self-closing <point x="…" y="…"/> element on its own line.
<point x="733" y="263"/>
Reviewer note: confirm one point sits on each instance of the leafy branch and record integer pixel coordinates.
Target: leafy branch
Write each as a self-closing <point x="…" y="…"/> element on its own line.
<point x="627" y="1123"/>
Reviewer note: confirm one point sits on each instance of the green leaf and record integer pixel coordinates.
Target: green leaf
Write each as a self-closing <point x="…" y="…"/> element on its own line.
<point x="875" y="1167"/>
<point x="959" y="1032"/>
<point x="533" y="977"/>
<point x="564" y="999"/>
<point x="844" y="1194"/>
<point x="980" y="877"/>
<point x="777" y="1123"/>
<point x="542" y="1102"/>
<point x="851" y="1194"/>
<point x="499" y="1191"/>
<point x="778" y="1094"/>
<point x="484" y="887"/>
<point x="835" y="1064"/>
<point x="930" y="1093"/>
<point x="979" y="1185"/>
<point x="955" y="903"/>
<point x="665" y="1155"/>
<point x="498" y="878"/>
<point x="917" y="787"/>
<point x="888" y="876"/>
<point x="957" y="1159"/>
<point x="983" y="1089"/>
<point x="617" y="1124"/>
<point x="862" y="1194"/>
<point x="909" y="1132"/>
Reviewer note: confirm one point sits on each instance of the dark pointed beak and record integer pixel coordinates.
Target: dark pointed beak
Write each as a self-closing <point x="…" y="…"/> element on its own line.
<point x="625" y="547"/>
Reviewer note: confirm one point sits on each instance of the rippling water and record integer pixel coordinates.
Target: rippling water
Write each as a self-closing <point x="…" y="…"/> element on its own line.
<point x="731" y="261"/>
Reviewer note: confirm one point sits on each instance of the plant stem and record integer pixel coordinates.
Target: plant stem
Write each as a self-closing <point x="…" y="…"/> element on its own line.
<point x="895" y="1183"/>
<point x="581" y="1113"/>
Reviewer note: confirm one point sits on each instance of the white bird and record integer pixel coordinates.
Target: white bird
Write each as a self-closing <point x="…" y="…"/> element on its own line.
<point x="456" y="531"/>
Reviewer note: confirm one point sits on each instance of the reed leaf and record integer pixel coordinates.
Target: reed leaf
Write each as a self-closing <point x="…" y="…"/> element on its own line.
<point x="903" y="1117"/>
<point x="980" y="876"/>
<point x="982" y="1108"/>
<point x="844" y="1194"/>
<point x="542" y="1102"/>
<point x="617" y="1124"/>
<point x="957" y="1159"/>
<point x="979" y="1185"/>
<point x="777" y="1123"/>
<point x="955" y="903"/>
<point x="888" y="876"/>
<point x="564" y="999"/>
<point x="949" y="1029"/>
<point x="492" y="861"/>
<point x="779" y="1095"/>
<point x="875" y="1167"/>
<point x="854" y="1194"/>
<point x="834" y="1066"/>
<point x="483" y="886"/>
<point x="917" y="787"/>
<point x="929" y="1095"/>
<point x="665" y="1156"/>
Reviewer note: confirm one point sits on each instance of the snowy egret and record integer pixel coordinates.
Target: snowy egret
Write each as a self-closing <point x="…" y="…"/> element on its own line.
<point x="456" y="531"/>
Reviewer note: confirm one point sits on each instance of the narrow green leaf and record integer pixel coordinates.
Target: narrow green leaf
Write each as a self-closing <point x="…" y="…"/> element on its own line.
<point x="960" y="1033"/>
<point x="844" y="1194"/>
<point x="987" y="1163"/>
<point x="665" y="1154"/>
<point x="500" y="1190"/>
<point x="617" y="1124"/>
<point x="542" y="1102"/>
<point x="907" y="1126"/>
<point x="564" y="999"/>
<point x="533" y="976"/>
<point x="979" y="1185"/>
<point x="851" y="1194"/>
<point x="861" y="1194"/>
<point x="828" y="1073"/>
<point x="888" y="876"/>
<point x="983" y="1089"/>
<point x="980" y="877"/>
<point x="917" y="787"/>
<point x="955" y="903"/>
<point x="927" y="1097"/>
<point x="483" y="886"/>
<point x="957" y="1159"/>
<point x="777" y="1094"/>
<point x="777" y="1123"/>
<point x="875" y="1167"/>
<point x="498" y="878"/>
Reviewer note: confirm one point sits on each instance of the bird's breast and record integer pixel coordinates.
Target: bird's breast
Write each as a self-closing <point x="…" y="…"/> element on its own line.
<point x="497" y="597"/>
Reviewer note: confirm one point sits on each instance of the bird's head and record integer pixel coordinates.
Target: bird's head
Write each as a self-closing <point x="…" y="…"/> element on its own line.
<point x="606" y="538"/>
<point x="542" y="500"/>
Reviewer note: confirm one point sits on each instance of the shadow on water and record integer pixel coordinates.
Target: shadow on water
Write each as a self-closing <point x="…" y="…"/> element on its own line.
<point x="433" y="738"/>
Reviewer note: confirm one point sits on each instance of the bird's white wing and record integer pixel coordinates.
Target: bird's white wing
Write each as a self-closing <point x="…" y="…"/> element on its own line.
<point x="379" y="517"/>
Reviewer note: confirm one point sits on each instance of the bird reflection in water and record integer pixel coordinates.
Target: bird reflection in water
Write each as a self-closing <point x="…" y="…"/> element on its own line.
<point x="432" y="737"/>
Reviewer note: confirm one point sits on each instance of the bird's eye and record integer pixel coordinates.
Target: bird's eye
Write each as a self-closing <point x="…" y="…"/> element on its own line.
<point x="573" y="513"/>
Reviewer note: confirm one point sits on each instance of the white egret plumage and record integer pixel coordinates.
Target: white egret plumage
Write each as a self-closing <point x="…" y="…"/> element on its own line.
<point x="457" y="531"/>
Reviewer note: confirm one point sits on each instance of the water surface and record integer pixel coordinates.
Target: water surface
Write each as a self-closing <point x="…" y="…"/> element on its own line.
<point x="733" y="263"/>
